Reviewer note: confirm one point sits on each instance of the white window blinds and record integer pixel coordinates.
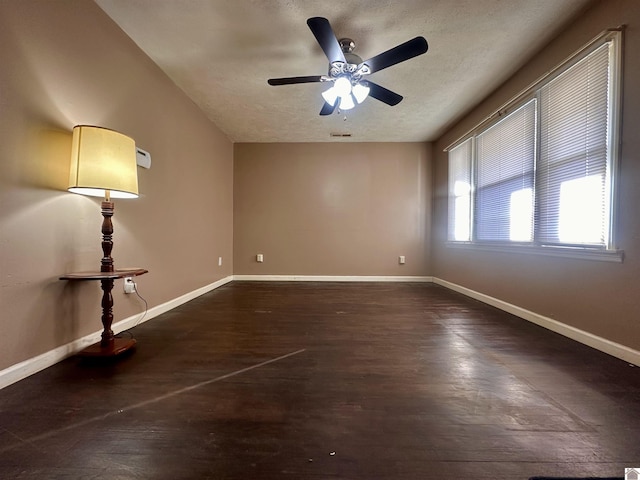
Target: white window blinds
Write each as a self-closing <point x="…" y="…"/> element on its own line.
<point x="573" y="173"/>
<point x="459" y="226"/>
<point x="505" y="176"/>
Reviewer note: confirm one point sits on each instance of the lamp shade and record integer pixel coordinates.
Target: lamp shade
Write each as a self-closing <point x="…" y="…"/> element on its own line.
<point x="103" y="163"/>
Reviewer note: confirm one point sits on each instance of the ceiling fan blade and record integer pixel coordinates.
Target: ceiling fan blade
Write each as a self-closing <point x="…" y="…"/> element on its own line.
<point x="293" y="80"/>
<point x="328" y="109"/>
<point x="404" y="51"/>
<point x="321" y="29"/>
<point x="383" y="94"/>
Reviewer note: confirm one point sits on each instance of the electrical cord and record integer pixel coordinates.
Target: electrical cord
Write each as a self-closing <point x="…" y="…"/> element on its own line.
<point x="144" y="314"/>
<point x="146" y="305"/>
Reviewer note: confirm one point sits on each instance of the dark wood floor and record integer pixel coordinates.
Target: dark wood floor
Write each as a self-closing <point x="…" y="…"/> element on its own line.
<point x="328" y="381"/>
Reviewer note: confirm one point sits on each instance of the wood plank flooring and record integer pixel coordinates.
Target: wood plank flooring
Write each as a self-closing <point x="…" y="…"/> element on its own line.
<point x="328" y="381"/>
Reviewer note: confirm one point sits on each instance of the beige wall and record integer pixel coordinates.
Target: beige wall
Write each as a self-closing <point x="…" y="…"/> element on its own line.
<point x="67" y="63"/>
<point x="332" y="208"/>
<point x="601" y="298"/>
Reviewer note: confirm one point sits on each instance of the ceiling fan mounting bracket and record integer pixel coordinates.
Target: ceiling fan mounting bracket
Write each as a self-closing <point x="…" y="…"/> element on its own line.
<point x="347" y="45"/>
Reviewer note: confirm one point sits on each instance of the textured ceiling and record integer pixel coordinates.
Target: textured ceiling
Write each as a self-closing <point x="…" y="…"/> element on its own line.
<point x="221" y="53"/>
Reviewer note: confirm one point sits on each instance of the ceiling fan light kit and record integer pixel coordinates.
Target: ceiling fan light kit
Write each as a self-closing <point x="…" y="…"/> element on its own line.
<point x="346" y="69"/>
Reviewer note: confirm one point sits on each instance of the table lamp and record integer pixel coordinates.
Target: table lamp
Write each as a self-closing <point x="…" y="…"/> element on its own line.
<point x="103" y="164"/>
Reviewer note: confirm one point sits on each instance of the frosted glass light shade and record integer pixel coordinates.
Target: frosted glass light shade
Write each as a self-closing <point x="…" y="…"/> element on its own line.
<point x="330" y="96"/>
<point x="342" y="86"/>
<point x="103" y="160"/>
<point x="346" y="103"/>
<point x="360" y="92"/>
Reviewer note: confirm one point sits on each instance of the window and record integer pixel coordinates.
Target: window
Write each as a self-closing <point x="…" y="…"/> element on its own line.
<point x="504" y="177"/>
<point x="573" y="168"/>
<point x="542" y="173"/>
<point x="460" y="192"/>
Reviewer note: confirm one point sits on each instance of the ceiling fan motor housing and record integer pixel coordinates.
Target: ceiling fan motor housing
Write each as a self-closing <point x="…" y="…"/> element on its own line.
<point x="347" y="46"/>
<point x="350" y="67"/>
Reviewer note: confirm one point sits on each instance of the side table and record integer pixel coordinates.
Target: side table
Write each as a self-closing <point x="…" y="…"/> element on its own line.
<point x="109" y="345"/>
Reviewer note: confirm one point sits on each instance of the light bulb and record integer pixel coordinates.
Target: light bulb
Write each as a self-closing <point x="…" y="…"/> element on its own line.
<point x="360" y="92"/>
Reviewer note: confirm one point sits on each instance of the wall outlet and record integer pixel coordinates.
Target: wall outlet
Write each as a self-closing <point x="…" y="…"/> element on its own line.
<point x="259" y="258"/>
<point x="219" y="261"/>
<point x="129" y="285"/>
<point x="401" y="259"/>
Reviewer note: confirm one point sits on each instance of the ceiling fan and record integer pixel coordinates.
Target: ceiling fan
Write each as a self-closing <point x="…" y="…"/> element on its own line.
<point x="347" y="71"/>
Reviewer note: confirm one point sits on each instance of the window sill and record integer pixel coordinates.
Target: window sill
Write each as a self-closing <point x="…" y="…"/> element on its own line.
<point x="616" y="256"/>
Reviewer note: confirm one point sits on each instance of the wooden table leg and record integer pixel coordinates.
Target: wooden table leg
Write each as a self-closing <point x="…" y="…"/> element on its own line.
<point x="109" y="345"/>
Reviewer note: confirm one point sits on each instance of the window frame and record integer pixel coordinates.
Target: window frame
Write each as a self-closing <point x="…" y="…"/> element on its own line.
<point x="606" y="252"/>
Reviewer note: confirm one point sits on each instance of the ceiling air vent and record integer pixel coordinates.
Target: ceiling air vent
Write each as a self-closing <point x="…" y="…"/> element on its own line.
<point x="341" y="135"/>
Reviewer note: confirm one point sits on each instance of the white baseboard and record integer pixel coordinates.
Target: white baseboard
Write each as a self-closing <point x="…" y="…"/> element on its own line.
<point x="607" y="346"/>
<point x="33" y="365"/>
<point x="329" y="278"/>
